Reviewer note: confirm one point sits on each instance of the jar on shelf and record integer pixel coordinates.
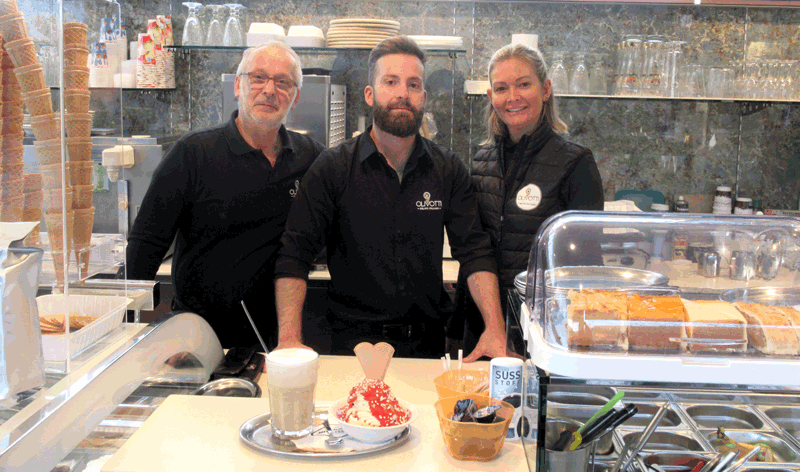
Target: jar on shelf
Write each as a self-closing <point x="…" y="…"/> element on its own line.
<point x="659" y="207"/>
<point x="723" y="201"/>
<point x="681" y="205"/>
<point x="744" y="206"/>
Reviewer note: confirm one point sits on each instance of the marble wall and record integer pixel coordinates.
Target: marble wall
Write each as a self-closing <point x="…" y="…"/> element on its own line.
<point x="675" y="146"/>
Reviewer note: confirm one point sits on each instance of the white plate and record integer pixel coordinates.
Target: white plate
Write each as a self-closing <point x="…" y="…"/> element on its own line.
<point x="364" y="30"/>
<point x="305" y="42"/>
<point x="377" y="37"/>
<point x="375" y="21"/>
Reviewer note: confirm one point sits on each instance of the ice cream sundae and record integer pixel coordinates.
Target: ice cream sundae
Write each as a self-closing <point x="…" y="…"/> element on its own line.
<point x="371" y="403"/>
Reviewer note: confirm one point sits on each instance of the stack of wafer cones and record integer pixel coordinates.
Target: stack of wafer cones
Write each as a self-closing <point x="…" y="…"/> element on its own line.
<point x="13" y="31"/>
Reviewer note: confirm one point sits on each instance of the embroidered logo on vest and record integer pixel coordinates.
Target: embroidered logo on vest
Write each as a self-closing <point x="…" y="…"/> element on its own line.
<point x="529" y="197"/>
<point x="293" y="192"/>
<point x="428" y="204"/>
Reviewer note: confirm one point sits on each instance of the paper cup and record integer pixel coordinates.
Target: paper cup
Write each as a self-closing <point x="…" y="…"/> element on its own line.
<point x="76" y="78"/>
<point x="46" y="127"/>
<point x="76" y="55"/>
<point x="38" y="102"/>
<point x="79" y="125"/>
<point x="79" y="149"/>
<point x="30" y="78"/>
<point x="11" y="188"/>
<point x="11" y="208"/>
<point x="48" y="152"/>
<point x="77" y="101"/>
<point x="11" y="125"/>
<point x="11" y="171"/>
<point x="12" y="108"/>
<point x="33" y="182"/>
<point x="8" y="7"/>
<point x="51" y="175"/>
<point x="82" y="196"/>
<point x="22" y="52"/>
<point x="81" y="172"/>
<point x="12" y="156"/>
<point x="82" y="236"/>
<point x="13" y="27"/>
<point x="75" y="34"/>
<point x="53" y="202"/>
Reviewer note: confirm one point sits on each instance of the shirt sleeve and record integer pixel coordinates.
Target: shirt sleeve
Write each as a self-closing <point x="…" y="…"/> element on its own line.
<point x="583" y="188"/>
<point x="163" y="206"/>
<point x="310" y="217"/>
<point x="469" y="244"/>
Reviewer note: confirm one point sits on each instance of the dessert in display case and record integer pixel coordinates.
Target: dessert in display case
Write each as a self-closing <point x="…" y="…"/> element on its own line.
<point x="703" y="334"/>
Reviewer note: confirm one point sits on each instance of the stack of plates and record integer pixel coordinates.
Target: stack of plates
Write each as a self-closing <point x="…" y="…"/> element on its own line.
<point x="439" y="42"/>
<point x="360" y="32"/>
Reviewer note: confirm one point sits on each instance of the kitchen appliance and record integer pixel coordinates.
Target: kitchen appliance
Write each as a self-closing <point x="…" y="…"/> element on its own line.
<point x="320" y="110"/>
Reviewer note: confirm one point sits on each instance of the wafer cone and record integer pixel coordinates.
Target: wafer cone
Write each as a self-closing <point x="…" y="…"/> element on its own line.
<point x="58" y="263"/>
<point x="82" y="196"/>
<point x="38" y="102"/>
<point x="11" y="188"/>
<point x="81" y="172"/>
<point x="5" y="62"/>
<point x="55" y="199"/>
<point x="79" y="149"/>
<point x="77" y="101"/>
<point x="11" y="125"/>
<point x="46" y="127"/>
<point x="11" y="141"/>
<point x="11" y="171"/>
<point x="33" y="182"/>
<point x="30" y="78"/>
<point x="48" y="151"/>
<point x="11" y="91"/>
<point x="12" y="156"/>
<point x="32" y="211"/>
<point x="12" y="108"/>
<point x="13" y="27"/>
<point x="8" y="7"/>
<point x="82" y="236"/>
<point x="22" y="52"/>
<point x="52" y="175"/>
<point x="76" y="55"/>
<point x="55" y="229"/>
<point x="32" y="239"/>
<point x="75" y="34"/>
<point x="11" y="208"/>
<point x="76" y="78"/>
<point x="79" y="125"/>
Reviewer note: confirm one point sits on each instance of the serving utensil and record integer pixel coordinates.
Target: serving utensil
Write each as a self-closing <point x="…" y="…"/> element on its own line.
<point x="624" y="460"/>
<point x="253" y="324"/>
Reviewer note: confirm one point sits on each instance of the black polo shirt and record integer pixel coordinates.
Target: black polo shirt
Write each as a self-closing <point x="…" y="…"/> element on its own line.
<point x="384" y="238"/>
<point x="226" y="207"/>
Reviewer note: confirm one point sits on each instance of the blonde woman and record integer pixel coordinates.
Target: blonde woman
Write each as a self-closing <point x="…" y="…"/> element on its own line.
<point x="526" y="171"/>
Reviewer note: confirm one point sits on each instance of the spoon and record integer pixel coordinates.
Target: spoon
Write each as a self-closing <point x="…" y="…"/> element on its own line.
<point x="332" y="440"/>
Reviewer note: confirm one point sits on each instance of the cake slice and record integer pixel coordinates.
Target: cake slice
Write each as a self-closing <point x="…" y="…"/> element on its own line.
<point x="655" y="322"/>
<point x="597" y="319"/>
<point x="714" y="320"/>
<point x="769" y="330"/>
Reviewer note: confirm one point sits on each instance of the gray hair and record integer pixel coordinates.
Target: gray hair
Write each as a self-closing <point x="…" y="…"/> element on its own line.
<point x="393" y="45"/>
<point x="494" y="126"/>
<point x="298" y="66"/>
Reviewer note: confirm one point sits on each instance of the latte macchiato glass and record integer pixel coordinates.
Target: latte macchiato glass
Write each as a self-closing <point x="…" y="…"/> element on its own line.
<point x="291" y="380"/>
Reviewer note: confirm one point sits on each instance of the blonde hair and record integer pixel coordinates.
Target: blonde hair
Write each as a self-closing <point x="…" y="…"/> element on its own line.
<point x="494" y="126"/>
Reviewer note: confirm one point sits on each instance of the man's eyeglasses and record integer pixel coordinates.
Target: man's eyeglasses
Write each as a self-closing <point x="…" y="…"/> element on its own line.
<point x="259" y="81"/>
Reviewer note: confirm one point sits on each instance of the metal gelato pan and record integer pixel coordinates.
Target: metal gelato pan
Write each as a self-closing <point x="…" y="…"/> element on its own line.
<point x="676" y="461"/>
<point x="579" y="415"/>
<point x="728" y="417"/>
<point x="784" y="452"/>
<point x="791" y="400"/>
<point x="758" y="468"/>
<point x="576" y="398"/>
<point x="646" y="412"/>
<point x="706" y="397"/>
<point x="675" y="440"/>
<point x="631" y="396"/>
<point x="787" y="418"/>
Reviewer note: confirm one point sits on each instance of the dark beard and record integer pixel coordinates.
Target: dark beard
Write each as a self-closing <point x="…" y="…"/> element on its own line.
<point x="401" y="128"/>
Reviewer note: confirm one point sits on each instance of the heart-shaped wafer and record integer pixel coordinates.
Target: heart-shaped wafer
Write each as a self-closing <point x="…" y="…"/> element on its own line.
<point x="375" y="359"/>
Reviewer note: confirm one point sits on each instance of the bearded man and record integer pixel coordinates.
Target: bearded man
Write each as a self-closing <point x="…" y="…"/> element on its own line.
<point x="379" y="202"/>
<point x="223" y="195"/>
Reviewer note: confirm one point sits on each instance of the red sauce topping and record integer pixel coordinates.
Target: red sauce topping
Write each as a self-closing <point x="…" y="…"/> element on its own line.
<point x="382" y="404"/>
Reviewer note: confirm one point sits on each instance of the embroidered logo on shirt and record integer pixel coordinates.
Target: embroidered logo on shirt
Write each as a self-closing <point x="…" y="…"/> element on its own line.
<point x="428" y="204"/>
<point x="293" y="192"/>
<point x="529" y="197"/>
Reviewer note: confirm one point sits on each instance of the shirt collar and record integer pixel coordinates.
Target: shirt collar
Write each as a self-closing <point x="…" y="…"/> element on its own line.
<point x="367" y="148"/>
<point x="239" y="145"/>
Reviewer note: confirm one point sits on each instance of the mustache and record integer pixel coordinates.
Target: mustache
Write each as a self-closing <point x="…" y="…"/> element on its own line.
<point x="400" y="104"/>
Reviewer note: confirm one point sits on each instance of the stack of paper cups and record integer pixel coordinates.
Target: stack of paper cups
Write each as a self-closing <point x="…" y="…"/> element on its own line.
<point x="146" y="63"/>
<point x="169" y="68"/>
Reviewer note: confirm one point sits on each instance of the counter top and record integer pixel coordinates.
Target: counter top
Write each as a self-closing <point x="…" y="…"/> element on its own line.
<point x="449" y="271"/>
<point x="201" y="433"/>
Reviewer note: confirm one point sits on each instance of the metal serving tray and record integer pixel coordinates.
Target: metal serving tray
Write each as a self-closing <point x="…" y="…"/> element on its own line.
<point x="601" y="277"/>
<point x="726" y="416"/>
<point x="697" y="397"/>
<point x="785" y="417"/>
<point x="778" y="296"/>
<point x="672" y="419"/>
<point x="784" y="452"/>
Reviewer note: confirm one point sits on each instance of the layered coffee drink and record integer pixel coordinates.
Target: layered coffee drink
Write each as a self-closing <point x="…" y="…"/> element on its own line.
<point x="291" y="380"/>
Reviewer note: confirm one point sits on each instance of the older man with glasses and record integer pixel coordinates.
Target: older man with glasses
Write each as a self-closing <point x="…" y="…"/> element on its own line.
<point x="223" y="195"/>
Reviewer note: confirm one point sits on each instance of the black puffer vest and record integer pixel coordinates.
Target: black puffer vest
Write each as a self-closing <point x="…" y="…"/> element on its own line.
<point x="540" y="185"/>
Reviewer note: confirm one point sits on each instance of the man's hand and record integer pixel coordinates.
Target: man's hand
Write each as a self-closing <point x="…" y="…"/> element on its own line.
<point x="491" y="344"/>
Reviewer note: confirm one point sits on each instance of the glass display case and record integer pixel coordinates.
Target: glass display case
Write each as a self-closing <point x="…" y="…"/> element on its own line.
<point x="704" y="321"/>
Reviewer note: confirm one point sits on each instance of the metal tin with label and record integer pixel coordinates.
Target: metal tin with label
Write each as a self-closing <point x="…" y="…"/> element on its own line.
<point x="506" y="381"/>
